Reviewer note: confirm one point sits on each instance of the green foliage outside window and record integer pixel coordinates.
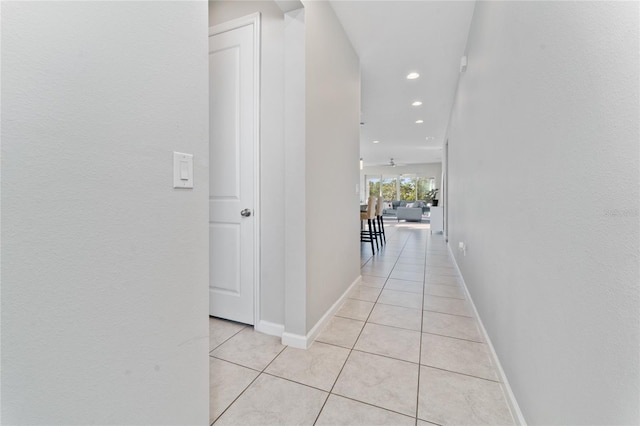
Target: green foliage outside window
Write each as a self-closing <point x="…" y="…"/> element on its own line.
<point x="424" y="186"/>
<point x="389" y="190"/>
<point x="374" y="187"/>
<point x="408" y="189"/>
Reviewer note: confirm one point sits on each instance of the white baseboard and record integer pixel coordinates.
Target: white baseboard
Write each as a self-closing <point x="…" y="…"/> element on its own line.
<point x="294" y="340"/>
<point x="303" y="342"/>
<point x="270" y="328"/>
<point x="518" y="418"/>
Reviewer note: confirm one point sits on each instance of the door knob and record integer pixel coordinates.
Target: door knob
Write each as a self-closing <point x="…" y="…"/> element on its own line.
<point x="245" y="213"/>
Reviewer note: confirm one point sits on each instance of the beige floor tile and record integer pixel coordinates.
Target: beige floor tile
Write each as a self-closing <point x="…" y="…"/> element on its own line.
<point x="410" y="261"/>
<point x="220" y="330"/>
<point x="409" y="267"/>
<point x="444" y="291"/>
<point x="317" y="366"/>
<point x="368" y="294"/>
<point x="389" y="252"/>
<point x="444" y="261"/>
<point x="451" y="325"/>
<point x="433" y="269"/>
<point x="355" y="309"/>
<point x="274" y="401"/>
<point x="441" y="270"/>
<point x="393" y="342"/>
<point x="402" y="285"/>
<point x="384" y="382"/>
<point x="372" y="281"/>
<point x="226" y="382"/>
<point x="460" y="356"/>
<point x="339" y="411"/>
<point x="435" y="246"/>
<point x="437" y="254"/>
<point x="409" y="276"/>
<point x="383" y="261"/>
<point x="442" y="280"/>
<point x="341" y="331"/>
<point x="447" y="305"/>
<point x="410" y="252"/>
<point x="396" y="316"/>
<point x="451" y="398"/>
<point x="250" y="348"/>
<point x="376" y="271"/>
<point x="401" y="298"/>
<point x="413" y="255"/>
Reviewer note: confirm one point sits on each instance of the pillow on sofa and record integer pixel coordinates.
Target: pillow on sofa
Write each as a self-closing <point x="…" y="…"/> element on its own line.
<point x="388" y="206"/>
<point x="409" y="205"/>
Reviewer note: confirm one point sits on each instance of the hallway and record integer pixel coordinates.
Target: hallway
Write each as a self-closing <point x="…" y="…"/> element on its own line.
<point x="404" y="349"/>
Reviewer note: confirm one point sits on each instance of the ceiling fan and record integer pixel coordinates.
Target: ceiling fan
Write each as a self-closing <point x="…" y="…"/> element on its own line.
<point x="392" y="163"/>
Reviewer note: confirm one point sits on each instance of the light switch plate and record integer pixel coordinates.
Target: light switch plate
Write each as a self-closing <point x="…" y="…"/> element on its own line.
<point x="182" y="170"/>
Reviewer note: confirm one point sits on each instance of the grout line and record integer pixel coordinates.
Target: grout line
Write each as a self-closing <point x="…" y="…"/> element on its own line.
<point x="236" y="398"/>
<point x="395" y="326"/>
<point x="448" y="313"/>
<point x="235" y="363"/>
<point x="420" y="347"/>
<point x="387" y="356"/>
<point x="249" y="385"/>
<point x="373" y="405"/>
<point x="227" y="339"/>
<point x="356" y="341"/>
<point x="401" y="306"/>
<point x="462" y="374"/>
<point x="350" y="349"/>
<point x="266" y="373"/>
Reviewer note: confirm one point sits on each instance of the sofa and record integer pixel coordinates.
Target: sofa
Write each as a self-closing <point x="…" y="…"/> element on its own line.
<point x="410" y="214"/>
<point x="391" y="207"/>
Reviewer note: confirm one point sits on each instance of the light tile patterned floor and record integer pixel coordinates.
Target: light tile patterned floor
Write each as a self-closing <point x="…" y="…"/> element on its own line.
<point x="404" y="349"/>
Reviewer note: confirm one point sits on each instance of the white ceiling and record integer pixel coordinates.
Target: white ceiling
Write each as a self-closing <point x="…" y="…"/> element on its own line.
<point x="392" y="39"/>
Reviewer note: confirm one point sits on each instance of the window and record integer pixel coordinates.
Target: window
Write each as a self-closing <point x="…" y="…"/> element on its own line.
<point x="407" y="188"/>
<point x="389" y="188"/>
<point x="373" y="185"/>
<point x="424" y="185"/>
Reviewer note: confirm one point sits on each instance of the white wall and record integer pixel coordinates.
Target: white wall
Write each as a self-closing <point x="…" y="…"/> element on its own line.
<point x="544" y="168"/>
<point x="295" y="170"/>
<point x="104" y="264"/>
<point x="332" y="140"/>
<point x="271" y="147"/>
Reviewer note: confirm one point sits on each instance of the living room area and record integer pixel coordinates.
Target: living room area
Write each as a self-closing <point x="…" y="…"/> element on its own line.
<point x="409" y="191"/>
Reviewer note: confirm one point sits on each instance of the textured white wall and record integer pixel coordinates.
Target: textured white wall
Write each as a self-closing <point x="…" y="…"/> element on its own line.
<point x="104" y="264"/>
<point x="544" y="175"/>
<point x="271" y="144"/>
<point x="295" y="169"/>
<point x="332" y="143"/>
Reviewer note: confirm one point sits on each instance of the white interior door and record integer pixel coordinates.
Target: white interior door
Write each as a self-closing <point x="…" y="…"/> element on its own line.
<point x="232" y="139"/>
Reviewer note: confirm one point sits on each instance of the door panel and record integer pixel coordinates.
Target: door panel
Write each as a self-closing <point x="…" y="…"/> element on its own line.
<point x="231" y="173"/>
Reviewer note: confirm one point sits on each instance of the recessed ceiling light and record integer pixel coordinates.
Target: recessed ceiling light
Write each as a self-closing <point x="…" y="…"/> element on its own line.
<point x="376" y="141"/>
<point x="412" y="76"/>
<point x="417" y="103"/>
<point x="430" y="138"/>
<point x="419" y="121"/>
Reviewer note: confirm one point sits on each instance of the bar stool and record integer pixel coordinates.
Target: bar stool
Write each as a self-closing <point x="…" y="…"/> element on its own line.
<point x="380" y="233"/>
<point x="369" y="235"/>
